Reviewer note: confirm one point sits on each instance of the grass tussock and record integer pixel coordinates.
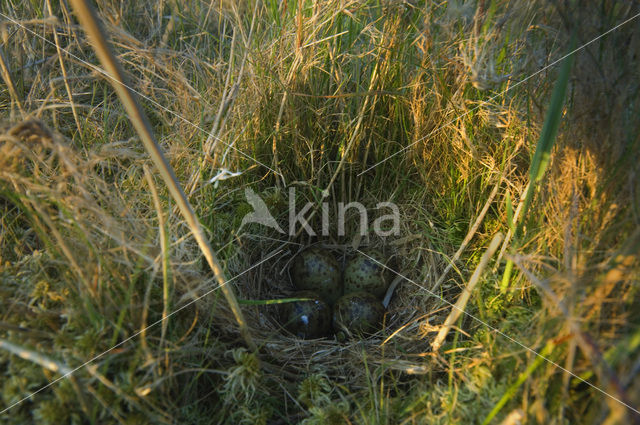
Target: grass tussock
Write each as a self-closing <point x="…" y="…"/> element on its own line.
<point x="434" y="106"/>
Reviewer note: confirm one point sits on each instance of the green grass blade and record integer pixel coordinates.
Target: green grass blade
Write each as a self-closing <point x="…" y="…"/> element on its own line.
<point x="548" y="134"/>
<point x="542" y="154"/>
<point x="513" y="389"/>
<point x="272" y="302"/>
<point x="510" y="214"/>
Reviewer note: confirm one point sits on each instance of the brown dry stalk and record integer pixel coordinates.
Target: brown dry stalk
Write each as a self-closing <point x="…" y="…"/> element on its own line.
<point x="35" y="357"/>
<point x="6" y="76"/>
<point x="472" y="231"/>
<point x="90" y="23"/>
<point x="164" y="246"/>
<point x="586" y="343"/>
<point x="63" y="69"/>
<point x="47" y="363"/>
<point x="458" y="308"/>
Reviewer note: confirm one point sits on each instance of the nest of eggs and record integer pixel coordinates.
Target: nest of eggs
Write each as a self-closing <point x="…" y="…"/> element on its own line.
<point x="328" y="305"/>
<point x="348" y="302"/>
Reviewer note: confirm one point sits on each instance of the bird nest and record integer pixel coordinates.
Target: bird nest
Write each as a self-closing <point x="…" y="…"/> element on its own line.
<point x="403" y="340"/>
<point x="99" y="227"/>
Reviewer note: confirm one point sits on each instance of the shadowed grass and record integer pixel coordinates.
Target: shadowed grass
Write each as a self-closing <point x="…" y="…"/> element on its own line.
<point x="139" y="120"/>
<point x="541" y="156"/>
<point x="319" y="92"/>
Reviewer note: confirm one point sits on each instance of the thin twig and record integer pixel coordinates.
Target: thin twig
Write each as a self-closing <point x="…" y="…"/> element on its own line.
<point x="472" y="231"/>
<point x="63" y="68"/>
<point x="47" y="363"/>
<point x="89" y="20"/>
<point x="164" y="246"/>
<point x="458" y="308"/>
<point x="509" y="235"/>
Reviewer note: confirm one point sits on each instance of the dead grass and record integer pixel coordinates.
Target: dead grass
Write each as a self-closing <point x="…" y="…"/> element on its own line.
<point x="313" y="97"/>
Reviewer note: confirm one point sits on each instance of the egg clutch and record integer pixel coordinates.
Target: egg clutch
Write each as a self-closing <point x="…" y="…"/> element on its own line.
<point x="349" y="303"/>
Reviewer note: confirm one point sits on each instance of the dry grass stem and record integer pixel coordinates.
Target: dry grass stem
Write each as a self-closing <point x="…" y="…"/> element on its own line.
<point x="139" y="120"/>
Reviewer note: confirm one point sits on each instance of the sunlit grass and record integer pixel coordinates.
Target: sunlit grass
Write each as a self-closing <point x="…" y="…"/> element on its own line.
<point x="311" y="95"/>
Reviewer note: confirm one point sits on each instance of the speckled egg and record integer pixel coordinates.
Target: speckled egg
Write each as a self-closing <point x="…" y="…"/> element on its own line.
<point x="307" y="319"/>
<point x="363" y="274"/>
<point x="317" y="270"/>
<point x="357" y="313"/>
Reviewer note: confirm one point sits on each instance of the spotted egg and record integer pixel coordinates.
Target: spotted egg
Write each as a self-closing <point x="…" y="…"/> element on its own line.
<point x="357" y="313"/>
<point x="309" y="318"/>
<point x="317" y="270"/>
<point x="364" y="272"/>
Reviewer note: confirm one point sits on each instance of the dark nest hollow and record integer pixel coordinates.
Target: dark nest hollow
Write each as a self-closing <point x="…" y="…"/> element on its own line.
<point x="402" y="342"/>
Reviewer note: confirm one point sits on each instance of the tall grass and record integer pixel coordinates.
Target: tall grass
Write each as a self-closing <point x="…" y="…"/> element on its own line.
<point x="311" y="95"/>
